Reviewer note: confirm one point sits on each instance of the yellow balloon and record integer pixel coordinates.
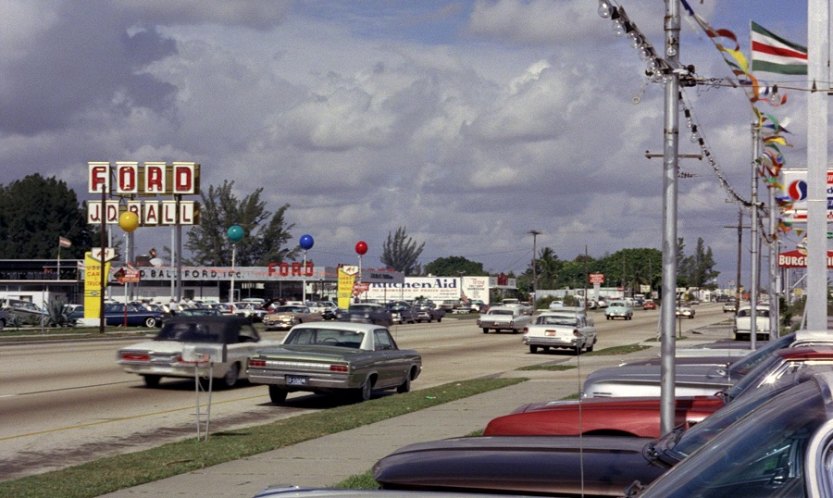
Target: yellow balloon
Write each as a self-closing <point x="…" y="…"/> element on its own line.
<point x="128" y="221"/>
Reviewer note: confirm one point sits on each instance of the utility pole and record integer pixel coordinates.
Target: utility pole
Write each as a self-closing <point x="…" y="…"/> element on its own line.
<point x="753" y="292"/>
<point x="740" y="228"/>
<point x="535" y="234"/>
<point x="818" y="73"/>
<point x="671" y="136"/>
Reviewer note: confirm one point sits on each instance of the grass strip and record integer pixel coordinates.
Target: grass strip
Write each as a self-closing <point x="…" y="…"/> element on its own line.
<point x="132" y="469"/>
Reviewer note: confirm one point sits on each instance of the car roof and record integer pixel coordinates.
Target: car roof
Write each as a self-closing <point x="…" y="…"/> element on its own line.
<point x="807" y="352"/>
<point x="336" y="325"/>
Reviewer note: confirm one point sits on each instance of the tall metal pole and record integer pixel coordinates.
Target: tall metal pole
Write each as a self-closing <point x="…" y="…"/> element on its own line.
<point x="773" y="270"/>
<point x="669" y="210"/>
<point x="753" y="292"/>
<point x="535" y="234"/>
<point x="818" y="72"/>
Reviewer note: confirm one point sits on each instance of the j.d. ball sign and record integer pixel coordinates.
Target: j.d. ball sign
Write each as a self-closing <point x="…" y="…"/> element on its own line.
<point x="130" y="180"/>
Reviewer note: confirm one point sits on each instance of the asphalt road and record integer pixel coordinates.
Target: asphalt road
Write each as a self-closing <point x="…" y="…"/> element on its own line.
<point x="65" y="403"/>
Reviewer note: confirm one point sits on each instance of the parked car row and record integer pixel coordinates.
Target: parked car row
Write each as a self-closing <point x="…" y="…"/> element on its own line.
<point x="768" y="431"/>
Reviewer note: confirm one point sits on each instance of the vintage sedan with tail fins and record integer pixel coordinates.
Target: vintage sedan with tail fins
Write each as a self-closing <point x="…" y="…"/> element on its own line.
<point x="566" y="328"/>
<point x="335" y="357"/>
<point x="228" y="341"/>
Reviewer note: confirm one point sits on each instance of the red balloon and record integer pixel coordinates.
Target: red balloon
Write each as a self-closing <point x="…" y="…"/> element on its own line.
<point x="361" y="247"/>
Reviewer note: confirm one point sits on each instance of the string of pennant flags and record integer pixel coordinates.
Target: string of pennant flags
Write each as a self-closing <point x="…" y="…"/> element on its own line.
<point x="774" y="54"/>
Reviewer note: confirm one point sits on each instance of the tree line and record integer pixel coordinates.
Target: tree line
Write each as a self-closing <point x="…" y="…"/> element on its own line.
<point x="36" y="211"/>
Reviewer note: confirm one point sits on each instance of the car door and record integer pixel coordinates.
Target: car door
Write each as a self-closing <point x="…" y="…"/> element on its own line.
<point x="390" y="363"/>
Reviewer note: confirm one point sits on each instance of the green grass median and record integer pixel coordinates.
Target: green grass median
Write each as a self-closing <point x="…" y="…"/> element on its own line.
<point x="132" y="469"/>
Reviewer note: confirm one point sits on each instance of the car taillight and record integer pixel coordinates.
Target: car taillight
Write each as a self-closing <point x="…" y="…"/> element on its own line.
<point x="339" y="367"/>
<point x="135" y="357"/>
<point x="257" y="363"/>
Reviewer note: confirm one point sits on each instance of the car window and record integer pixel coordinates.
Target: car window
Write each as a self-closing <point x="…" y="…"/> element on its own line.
<point x="384" y="342"/>
<point x="190" y="332"/>
<point x="325" y="337"/>
<point x="248" y="334"/>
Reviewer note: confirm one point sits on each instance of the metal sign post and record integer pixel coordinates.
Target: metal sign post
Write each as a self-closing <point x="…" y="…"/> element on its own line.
<point x="203" y="356"/>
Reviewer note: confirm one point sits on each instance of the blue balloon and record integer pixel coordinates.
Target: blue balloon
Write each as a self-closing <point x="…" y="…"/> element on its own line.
<point x="235" y="233"/>
<point x="307" y="242"/>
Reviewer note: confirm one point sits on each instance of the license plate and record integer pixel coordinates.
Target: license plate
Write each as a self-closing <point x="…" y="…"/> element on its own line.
<point x="296" y="380"/>
<point x="550" y="333"/>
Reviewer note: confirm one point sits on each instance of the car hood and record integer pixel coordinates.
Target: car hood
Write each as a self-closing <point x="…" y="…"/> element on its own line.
<point x="712" y="374"/>
<point x="525" y="464"/>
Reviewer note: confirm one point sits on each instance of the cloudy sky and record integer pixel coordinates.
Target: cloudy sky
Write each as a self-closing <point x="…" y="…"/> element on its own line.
<point x="470" y="123"/>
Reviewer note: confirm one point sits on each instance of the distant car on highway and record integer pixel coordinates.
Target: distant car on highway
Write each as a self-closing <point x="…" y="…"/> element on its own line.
<point x="497" y="318"/>
<point x="649" y="304"/>
<point x="684" y="311"/>
<point x="567" y="328"/>
<point x="619" y="309"/>
<point x="366" y="313"/>
<point x="730" y="305"/>
<point x="287" y="316"/>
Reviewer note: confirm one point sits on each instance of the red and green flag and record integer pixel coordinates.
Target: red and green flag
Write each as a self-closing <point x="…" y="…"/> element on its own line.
<point x="773" y="54"/>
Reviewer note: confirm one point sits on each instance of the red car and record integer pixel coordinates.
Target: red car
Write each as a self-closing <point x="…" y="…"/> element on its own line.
<point x="649" y="305"/>
<point x="638" y="417"/>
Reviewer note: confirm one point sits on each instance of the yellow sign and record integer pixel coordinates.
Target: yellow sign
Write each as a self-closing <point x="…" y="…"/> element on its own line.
<point x="346" y="279"/>
<point x="92" y="285"/>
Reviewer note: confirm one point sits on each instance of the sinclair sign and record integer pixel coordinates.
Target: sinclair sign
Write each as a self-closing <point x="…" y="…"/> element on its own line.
<point x="134" y="180"/>
<point x="795" y="188"/>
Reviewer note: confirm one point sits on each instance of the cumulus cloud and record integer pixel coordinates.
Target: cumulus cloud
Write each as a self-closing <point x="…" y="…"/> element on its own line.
<point x="468" y="124"/>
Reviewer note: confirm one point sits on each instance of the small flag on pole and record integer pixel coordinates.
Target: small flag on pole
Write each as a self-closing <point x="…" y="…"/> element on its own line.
<point x="773" y="54"/>
<point x="64" y="242"/>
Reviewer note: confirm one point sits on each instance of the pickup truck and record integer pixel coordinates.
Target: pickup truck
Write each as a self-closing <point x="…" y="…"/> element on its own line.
<point x="499" y="318"/>
<point x="743" y="322"/>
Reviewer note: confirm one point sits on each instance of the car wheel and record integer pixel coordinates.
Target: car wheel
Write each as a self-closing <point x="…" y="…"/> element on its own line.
<point x="150" y="322"/>
<point x="277" y="395"/>
<point x="232" y="376"/>
<point x="485" y="331"/>
<point x="590" y="347"/>
<point x="533" y="349"/>
<point x="363" y="393"/>
<point x="439" y="320"/>
<point x="151" y="380"/>
<point x="2" y="324"/>
<point x="405" y="386"/>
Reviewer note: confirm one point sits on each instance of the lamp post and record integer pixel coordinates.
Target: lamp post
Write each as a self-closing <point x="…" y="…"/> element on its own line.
<point x="235" y="234"/>
<point x="361" y="250"/>
<point x="306" y="244"/>
<point x="128" y="221"/>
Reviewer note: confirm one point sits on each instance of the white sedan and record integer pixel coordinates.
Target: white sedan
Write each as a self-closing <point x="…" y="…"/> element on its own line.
<point x="685" y="312"/>
<point x="215" y="346"/>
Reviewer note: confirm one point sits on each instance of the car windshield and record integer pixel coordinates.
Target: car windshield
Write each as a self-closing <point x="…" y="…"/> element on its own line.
<point x="325" y="337"/>
<point x="501" y="312"/>
<point x="761" y="453"/>
<point x="744" y="365"/>
<point x="556" y="320"/>
<point x="289" y="309"/>
<point x="192" y="332"/>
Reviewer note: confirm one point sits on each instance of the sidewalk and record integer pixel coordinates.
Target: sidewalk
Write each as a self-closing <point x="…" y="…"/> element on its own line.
<point x="330" y="459"/>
